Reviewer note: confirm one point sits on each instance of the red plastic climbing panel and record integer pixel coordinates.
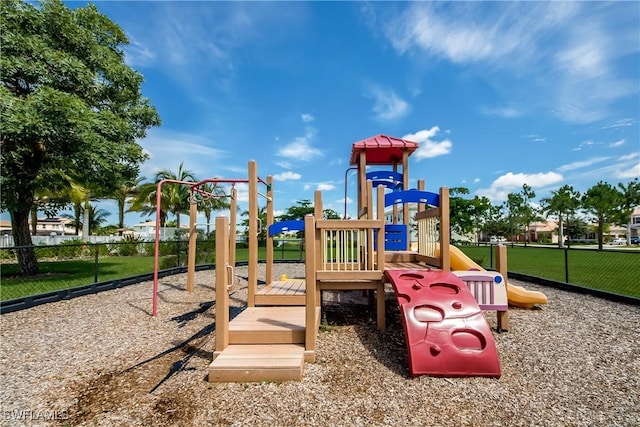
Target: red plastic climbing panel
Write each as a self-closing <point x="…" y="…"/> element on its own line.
<point x="446" y="333"/>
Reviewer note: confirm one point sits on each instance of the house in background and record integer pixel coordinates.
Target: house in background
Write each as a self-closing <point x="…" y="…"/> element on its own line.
<point x="54" y="226"/>
<point x="635" y="222"/>
<point x="147" y="231"/>
<point x="5" y="228"/>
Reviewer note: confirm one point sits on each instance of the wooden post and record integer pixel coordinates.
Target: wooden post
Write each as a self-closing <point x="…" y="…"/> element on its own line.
<point x="232" y="227"/>
<point x="445" y="231"/>
<point x="501" y="267"/>
<point x="316" y="238"/>
<point x="269" y="265"/>
<point x="362" y="181"/>
<point x="311" y="300"/>
<point x="317" y="205"/>
<point x="421" y="206"/>
<point x="193" y="237"/>
<point x="253" y="235"/>
<point x="222" y="280"/>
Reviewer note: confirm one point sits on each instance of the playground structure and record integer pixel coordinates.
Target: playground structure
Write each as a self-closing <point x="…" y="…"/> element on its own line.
<point x="446" y="333"/>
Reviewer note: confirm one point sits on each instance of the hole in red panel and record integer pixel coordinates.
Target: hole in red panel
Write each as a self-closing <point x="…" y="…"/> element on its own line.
<point x="466" y="339"/>
<point x="428" y="313"/>
<point x="411" y="276"/>
<point x="444" y="288"/>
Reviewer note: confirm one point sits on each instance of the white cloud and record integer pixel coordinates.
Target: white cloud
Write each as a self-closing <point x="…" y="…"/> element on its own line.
<point x="287" y="176"/>
<point x="167" y="149"/>
<point x="307" y="118"/>
<point x="137" y="54"/>
<point x="322" y="186"/>
<point x="568" y="54"/>
<point x="325" y="186"/>
<point x="300" y="149"/>
<point x="510" y="182"/>
<point x="476" y="180"/>
<point x="428" y="147"/>
<point x="536" y="138"/>
<point x="618" y="143"/>
<point x="387" y="105"/>
<point x="628" y="166"/>
<point x="632" y="172"/>
<point x="507" y="112"/>
<point x="581" y="164"/>
<point x="620" y="123"/>
<point x="587" y="143"/>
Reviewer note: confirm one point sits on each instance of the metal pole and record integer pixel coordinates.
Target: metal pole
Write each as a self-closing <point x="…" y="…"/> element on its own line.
<point x="566" y="265"/>
<point x="95" y="265"/>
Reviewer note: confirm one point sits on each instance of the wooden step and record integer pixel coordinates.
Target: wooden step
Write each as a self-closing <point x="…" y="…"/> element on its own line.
<point x="254" y="363"/>
<point x="268" y="325"/>
<point x="287" y="292"/>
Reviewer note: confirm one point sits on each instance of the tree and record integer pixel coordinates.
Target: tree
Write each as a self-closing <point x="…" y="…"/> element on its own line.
<point x="520" y="212"/>
<point x="124" y="192"/>
<point x="301" y="209"/>
<point x="174" y="198"/>
<point x="631" y="195"/>
<point x="214" y="200"/>
<point x="605" y="203"/>
<point x="96" y="216"/>
<point x="262" y="216"/>
<point x="563" y="202"/>
<point x="69" y="104"/>
<point x="467" y="215"/>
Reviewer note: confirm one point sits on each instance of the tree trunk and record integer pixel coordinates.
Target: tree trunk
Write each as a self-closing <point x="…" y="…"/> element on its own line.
<point x="85" y="220"/>
<point x="34" y="220"/>
<point x="560" y="232"/>
<point x="120" y="217"/>
<point x="26" y="254"/>
<point x="600" y="232"/>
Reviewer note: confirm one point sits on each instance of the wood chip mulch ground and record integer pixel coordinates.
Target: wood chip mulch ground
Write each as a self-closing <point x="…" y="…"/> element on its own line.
<point x="102" y="360"/>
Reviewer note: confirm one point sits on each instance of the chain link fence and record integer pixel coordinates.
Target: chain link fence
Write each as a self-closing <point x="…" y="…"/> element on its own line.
<point x="72" y="265"/>
<point x="614" y="271"/>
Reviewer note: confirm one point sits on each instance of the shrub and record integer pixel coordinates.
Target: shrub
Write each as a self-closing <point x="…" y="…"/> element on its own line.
<point x="71" y="249"/>
<point x="167" y="261"/>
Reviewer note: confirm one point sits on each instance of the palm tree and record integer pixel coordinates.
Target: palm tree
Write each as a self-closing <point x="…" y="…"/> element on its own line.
<point x="216" y="202"/>
<point x="124" y="193"/>
<point x="174" y="198"/>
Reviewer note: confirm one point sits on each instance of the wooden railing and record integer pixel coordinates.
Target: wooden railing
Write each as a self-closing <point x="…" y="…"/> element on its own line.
<point x="433" y="233"/>
<point x="345" y="249"/>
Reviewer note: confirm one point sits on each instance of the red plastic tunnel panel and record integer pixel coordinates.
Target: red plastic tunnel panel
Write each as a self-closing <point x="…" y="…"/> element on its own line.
<point x="446" y="333"/>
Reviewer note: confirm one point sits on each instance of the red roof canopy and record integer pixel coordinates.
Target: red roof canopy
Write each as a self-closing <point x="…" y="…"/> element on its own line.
<point x="382" y="149"/>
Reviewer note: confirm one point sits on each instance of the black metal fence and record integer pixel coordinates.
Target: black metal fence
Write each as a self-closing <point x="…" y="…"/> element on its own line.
<point x="615" y="271"/>
<point x="84" y="266"/>
<point x="73" y="264"/>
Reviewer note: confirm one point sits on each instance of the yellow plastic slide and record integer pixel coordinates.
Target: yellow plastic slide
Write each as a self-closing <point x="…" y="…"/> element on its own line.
<point x="517" y="295"/>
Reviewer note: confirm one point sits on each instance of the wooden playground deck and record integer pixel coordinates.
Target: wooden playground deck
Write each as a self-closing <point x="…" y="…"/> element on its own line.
<point x="265" y="344"/>
<point x="287" y="292"/>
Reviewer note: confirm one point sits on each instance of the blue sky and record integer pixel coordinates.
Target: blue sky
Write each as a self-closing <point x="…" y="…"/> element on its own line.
<point x="498" y="94"/>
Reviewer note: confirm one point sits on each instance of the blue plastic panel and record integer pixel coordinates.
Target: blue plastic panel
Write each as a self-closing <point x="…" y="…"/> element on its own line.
<point x="282" y="226"/>
<point x="386" y="175"/>
<point x="412" y="196"/>
<point x="395" y="237"/>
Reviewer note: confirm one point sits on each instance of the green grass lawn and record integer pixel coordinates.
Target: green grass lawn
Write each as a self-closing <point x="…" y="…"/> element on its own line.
<point x="58" y="275"/>
<point x="611" y="271"/>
